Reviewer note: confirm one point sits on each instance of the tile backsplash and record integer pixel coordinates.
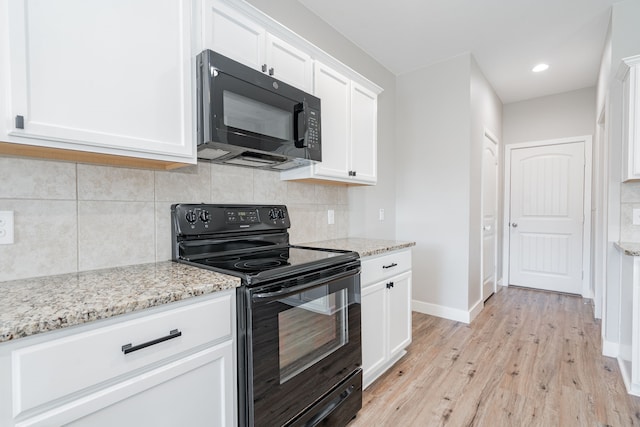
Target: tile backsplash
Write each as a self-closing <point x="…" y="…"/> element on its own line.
<point x="629" y="200"/>
<point x="73" y="217"/>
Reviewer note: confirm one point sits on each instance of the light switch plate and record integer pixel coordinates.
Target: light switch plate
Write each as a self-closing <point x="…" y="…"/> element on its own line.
<point x="331" y="216"/>
<point x="636" y="217"/>
<point x="6" y="227"/>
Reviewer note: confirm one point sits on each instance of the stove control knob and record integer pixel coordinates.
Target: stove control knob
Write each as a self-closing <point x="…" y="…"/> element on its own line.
<point x="281" y="214"/>
<point x="205" y="216"/>
<point x="191" y="217"/>
<point x="273" y="213"/>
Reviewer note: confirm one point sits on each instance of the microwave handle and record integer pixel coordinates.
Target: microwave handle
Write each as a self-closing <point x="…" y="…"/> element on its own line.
<point x="298" y="140"/>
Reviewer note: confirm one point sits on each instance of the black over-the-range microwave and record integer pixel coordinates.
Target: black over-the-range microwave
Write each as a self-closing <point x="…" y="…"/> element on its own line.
<point x="248" y="118"/>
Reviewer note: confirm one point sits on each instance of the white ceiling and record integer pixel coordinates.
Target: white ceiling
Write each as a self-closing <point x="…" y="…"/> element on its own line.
<point x="506" y="37"/>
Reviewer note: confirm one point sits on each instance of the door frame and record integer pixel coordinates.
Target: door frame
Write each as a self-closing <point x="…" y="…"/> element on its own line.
<point x="586" y="225"/>
<point x="496" y="142"/>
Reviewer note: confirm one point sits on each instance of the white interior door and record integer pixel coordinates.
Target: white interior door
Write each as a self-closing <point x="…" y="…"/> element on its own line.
<point x="547" y="216"/>
<point x="489" y="215"/>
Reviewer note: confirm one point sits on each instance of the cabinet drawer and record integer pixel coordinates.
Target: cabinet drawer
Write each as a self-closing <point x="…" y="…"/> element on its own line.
<point x="57" y="368"/>
<point x="379" y="268"/>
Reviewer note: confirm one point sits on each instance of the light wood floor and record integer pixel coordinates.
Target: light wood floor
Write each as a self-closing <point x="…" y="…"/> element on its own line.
<point x="531" y="358"/>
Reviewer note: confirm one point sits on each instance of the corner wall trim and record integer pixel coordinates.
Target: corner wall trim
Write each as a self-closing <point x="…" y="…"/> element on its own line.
<point x="610" y="349"/>
<point x="475" y="310"/>
<point x="444" y="311"/>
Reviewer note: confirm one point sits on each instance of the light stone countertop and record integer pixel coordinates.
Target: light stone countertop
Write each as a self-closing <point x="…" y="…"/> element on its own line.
<point x="32" y="306"/>
<point x="627" y="248"/>
<point x="364" y="247"/>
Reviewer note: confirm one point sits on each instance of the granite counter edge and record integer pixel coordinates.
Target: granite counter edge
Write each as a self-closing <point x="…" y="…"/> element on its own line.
<point x="79" y="315"/>
<point x="631" y="249"/>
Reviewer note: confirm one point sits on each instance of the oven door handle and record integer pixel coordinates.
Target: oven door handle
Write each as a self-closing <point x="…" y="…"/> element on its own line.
<point x="280" y="293"/>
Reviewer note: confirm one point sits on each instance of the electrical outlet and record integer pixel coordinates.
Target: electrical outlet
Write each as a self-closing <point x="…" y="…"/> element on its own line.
<point x="636" y="217"/>
<point x="331" y="216"/>
<point x="381" y="214"/>
<point x="6" y="227"/>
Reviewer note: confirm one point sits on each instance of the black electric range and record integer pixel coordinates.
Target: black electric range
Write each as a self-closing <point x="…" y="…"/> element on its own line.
<point x="299" y="348"/>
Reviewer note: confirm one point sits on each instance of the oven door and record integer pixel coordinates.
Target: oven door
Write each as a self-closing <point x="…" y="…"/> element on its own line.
<point x="304" y="341"/>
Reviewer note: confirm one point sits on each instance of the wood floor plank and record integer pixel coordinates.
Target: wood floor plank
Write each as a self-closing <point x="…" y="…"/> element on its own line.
<point x="531" y="358"/>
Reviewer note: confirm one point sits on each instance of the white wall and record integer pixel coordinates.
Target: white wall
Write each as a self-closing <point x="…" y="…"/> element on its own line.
<point x="550" y="117"/>
<point x="442" y="113"/>
<point x="433" y="175"/>
<point x="486" y="113"/>
<point x="624" y="41"/>
<point x="364" y="202"/>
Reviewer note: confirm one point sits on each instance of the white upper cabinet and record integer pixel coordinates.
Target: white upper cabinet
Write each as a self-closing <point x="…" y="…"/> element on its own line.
<point x="289" y="64"/>
<point x="110" y="77"/>
<point x="629" y="74"/>
<point x="349" y="121"/>
<point x="364" y="131"/>
<point x="333" y="90"/>
<point x="234" y="34"/>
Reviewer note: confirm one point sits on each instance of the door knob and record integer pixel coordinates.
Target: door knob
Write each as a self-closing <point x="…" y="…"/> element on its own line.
<point x="514" y="224"/>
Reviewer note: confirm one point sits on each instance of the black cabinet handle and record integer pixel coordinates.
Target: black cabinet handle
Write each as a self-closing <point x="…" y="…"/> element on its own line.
<point x="389" y="285"/>
<point x="130" y="348"/>
<point x="390" y="265"/>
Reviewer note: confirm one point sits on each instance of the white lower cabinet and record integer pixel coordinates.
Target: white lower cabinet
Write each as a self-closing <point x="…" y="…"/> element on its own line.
<point x="84" y="378"/>
<point x="629" y="338"/>
<point x="386" y="312"/>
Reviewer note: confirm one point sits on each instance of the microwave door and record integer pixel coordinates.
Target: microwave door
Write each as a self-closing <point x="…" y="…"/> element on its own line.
<point x="250" y="116"/>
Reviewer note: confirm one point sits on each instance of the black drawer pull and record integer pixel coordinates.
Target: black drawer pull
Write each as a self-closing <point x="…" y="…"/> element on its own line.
<point x="130" y="348"/>
<point x="389" y="285"/>
<point x="390" y="265"/>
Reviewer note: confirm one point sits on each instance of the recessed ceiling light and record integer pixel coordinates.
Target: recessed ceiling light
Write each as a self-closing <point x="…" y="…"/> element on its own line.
<point x="540" y="67"/>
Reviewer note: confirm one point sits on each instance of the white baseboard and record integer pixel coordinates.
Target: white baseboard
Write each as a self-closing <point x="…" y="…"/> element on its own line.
<point x="610" y="349"/>
<point x="444" y="311"/>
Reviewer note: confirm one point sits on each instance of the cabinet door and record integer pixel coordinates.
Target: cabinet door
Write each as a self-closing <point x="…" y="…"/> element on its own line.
<point x="399" y="309"/>
<point x="364" y="122"/>
<point x="197" y="390"/>
<point x="115" y="75"/>
<point x="632" y="119"/>
<point x="333" y="89"/>
<point x="228" y="32"/>
<point x="374" y="319"/>
<point x="289" y="64"/>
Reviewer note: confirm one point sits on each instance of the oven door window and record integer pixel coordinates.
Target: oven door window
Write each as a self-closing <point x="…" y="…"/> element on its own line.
<point x="313" y="326"/>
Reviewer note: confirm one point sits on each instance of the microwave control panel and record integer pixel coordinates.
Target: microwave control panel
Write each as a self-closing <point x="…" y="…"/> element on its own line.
<point x="313" y="129"/>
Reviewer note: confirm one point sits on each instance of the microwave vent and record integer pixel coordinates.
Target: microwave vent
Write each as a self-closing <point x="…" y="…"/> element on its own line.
<point x="257" y="160"/>
<point x="211" y="153"/>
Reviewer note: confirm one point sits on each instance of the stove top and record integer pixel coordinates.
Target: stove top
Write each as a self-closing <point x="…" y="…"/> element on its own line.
<point x="247" y="241"/>
<point x="267" y="264"/>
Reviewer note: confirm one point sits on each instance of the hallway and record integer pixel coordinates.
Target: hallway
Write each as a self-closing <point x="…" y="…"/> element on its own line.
<point x="530" y="358"/>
